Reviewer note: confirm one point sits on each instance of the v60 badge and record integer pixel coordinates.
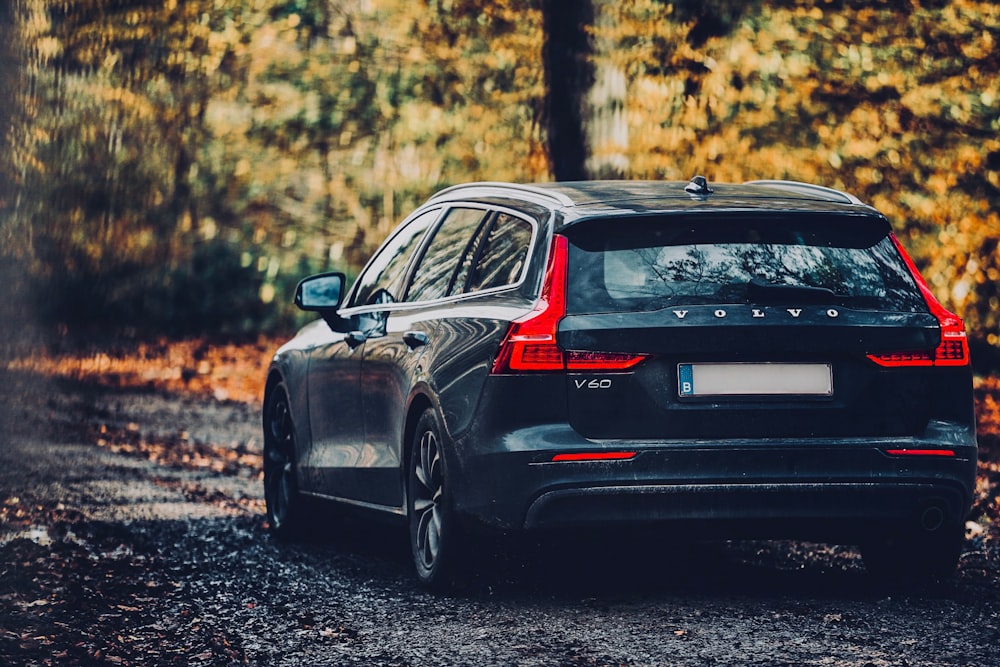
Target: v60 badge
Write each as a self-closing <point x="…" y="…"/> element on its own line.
<point x="596" y="383"/>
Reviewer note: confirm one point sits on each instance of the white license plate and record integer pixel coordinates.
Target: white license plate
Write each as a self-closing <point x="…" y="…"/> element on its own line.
<point x="753" y="379"/>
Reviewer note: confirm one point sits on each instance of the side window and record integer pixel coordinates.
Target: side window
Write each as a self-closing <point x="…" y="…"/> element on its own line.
<point x="500" y="259"/>
<point x="436" y="271"/>
<point x="380" y="282"/>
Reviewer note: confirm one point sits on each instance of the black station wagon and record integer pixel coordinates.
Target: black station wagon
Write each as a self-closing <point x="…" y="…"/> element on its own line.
<point x="761" y="358"/>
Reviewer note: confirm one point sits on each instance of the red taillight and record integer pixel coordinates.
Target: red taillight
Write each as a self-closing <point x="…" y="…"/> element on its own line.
<point x="953" y="349"/>
<point x="601" y="361"/>
<point x="594" y="456"/>
<point x="530" y="344"/>
<point x="903" y="359"/>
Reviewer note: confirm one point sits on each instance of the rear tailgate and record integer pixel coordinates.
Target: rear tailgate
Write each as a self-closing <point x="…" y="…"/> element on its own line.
<point x="757" y="327"/>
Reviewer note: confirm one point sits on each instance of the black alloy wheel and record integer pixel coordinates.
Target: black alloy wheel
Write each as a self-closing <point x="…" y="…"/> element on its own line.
<point x="435" y="537"/>
<point x="281" y="489"/>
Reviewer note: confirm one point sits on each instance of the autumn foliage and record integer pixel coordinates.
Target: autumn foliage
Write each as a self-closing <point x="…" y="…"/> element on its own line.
<point x="177" y="166"/>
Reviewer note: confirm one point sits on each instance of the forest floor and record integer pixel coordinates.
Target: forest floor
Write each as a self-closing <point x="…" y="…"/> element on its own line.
<point x="132" y="532"/>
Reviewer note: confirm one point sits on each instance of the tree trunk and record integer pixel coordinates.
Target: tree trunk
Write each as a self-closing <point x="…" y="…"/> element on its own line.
<point x="568" y="77"/>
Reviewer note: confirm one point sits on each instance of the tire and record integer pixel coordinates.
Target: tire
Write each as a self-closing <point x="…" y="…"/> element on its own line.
<point x="436" y="537"/>
<point x="913" y="559"/>
<point x="281" y="488"/>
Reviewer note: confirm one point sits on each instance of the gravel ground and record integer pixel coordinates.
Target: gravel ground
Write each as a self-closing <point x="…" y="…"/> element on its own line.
<point x="133" y="534"/>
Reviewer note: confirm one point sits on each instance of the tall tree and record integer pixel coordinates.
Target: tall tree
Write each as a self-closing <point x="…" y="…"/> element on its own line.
<point x="569" y="76"/>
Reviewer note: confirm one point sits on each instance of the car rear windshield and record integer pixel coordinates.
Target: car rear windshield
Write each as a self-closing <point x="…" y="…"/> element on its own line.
<point x="654" y="262"/>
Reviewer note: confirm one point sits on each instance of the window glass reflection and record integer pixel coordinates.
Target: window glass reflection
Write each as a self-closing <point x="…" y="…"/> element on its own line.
<point x="437" y="268"/>
<point x="633" y="271"/>
<point x="380" y="282"/>
<point x="501" y="259"/>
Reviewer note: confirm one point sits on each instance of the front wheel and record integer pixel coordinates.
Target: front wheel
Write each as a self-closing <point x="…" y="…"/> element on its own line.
<point x="281" y="488"/>
<point x="436" y="539"/>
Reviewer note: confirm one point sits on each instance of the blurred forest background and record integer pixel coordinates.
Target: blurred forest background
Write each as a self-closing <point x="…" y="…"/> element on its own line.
<point x="173" y="167"/>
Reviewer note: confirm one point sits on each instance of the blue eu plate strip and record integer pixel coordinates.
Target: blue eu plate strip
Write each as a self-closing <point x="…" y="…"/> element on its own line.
<point x="685" y="380"/>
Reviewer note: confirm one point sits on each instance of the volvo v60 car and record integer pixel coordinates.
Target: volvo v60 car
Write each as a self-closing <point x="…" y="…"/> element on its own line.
<point x="762" y="358"/>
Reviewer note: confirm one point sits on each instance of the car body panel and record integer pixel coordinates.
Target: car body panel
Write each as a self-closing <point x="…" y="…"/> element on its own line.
<point x="335" y="418"/>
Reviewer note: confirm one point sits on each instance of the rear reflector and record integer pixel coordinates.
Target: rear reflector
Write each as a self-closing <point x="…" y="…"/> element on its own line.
<point x="594" y="456"/>
<point x="953" y="350"/>
<point x="920" y="452"/>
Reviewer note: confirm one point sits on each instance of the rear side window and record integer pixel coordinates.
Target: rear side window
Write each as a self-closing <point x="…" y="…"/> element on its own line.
<point x="654" y="263"/>
<point x="499" y="259"/>
<point x="435" y="276"/>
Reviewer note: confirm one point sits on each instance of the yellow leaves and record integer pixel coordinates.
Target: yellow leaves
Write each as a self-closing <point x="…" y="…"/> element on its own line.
<point x="135" y="104"/>
<point x="860" y="149"/>
<point x="227" y="117"/>
<point x="867" y="176"/>
<point x="854" y="57"/>
<point x="978" y="48"/>
<point x="815" y="13"/>
<point x="968" y="158"/>
<point x="267" y="293"/>
<point x="47" y="48"/>
<point x="937" y="184"/>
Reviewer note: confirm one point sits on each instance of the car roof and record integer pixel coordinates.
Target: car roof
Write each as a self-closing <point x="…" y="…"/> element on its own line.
<point x="578" y="200"/>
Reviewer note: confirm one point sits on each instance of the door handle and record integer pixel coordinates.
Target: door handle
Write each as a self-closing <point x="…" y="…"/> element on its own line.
<point x="415" y="339"/>
<point x="355" y="338"/>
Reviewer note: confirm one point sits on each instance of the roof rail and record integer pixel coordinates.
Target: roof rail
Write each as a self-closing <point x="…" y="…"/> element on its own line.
<point x="808" y="189"/>
<point x="492" y="188"/>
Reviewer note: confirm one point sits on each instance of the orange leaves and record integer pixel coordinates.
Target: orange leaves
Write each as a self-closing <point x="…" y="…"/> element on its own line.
<point x="223" y="372"/>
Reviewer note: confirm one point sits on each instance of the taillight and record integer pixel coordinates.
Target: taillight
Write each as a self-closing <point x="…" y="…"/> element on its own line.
<point x="953" y="350"/>
<point x="530" y="343"/>
<point x="577" y="360"/>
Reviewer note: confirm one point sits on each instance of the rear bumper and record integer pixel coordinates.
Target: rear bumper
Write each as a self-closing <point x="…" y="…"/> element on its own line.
<point x="817" y="488"/>
<point x="837" y="512"/>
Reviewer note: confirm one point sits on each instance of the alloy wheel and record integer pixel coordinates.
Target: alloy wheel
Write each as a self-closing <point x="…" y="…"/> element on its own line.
<point x="428" y="493"/>
<point x="280" y="487"/>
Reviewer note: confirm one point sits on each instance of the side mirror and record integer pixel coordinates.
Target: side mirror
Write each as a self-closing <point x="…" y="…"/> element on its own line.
<point x="322" y="292"/>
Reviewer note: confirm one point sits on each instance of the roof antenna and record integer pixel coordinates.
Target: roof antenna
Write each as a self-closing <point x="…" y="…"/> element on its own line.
<point x="698" y="186"/>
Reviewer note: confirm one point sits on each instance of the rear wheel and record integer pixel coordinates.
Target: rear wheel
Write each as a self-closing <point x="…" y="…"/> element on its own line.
<point x="913" y="558"/>
<point x="436" y="538"/>
<point x="281" y="488"/>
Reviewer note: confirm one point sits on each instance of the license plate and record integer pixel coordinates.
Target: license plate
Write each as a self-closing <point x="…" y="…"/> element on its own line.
<point x="754" y="379"/>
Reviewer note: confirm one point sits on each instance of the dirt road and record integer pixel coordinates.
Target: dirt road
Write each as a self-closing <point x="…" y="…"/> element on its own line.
<point x="132" y="534"/>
